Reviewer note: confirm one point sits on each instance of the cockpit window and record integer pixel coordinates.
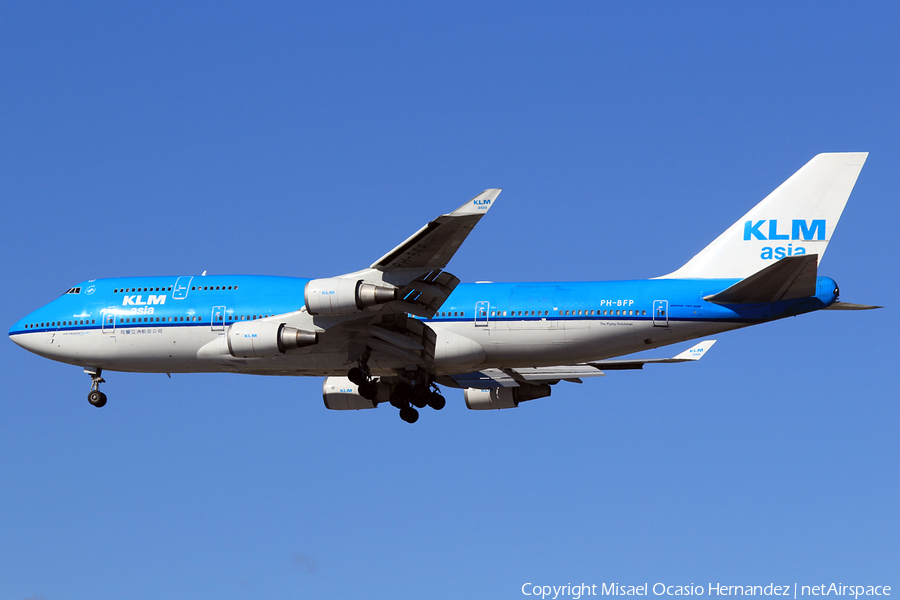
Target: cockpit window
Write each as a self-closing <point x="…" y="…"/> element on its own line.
<point x="74" y="290"/>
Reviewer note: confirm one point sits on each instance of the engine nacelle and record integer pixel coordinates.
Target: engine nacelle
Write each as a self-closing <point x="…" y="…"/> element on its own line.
<point x="256" y="339"/>
<point x="340" y="393"/>
<point x="504" y="397"/>
<point x="341" y="296"/>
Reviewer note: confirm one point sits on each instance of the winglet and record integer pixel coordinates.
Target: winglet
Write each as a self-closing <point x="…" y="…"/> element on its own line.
<point x="480" y="204"/>
<point x="695" y="352"/>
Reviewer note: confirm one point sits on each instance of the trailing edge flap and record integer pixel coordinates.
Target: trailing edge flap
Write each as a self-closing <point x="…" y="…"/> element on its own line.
<point x="522" y="376"/>
<point x="789" y="278"/>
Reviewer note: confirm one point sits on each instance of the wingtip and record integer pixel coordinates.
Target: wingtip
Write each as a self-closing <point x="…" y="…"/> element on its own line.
<point x="697" y="351"/>
<point x="480" y="204"/>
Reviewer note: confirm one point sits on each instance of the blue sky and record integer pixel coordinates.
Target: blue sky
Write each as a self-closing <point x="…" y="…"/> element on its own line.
<point x="309" y="139"/>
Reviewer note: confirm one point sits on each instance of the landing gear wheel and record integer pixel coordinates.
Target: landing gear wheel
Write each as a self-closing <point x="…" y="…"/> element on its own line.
<point x="368" y="390"/>
<point x="419" y="401"/>
<point x="436" y="401"/>
<point x="97" y="398"/>
<point x="409" y="414"/>
<point x="402" y="390"/>
<point x="357" y="376"/>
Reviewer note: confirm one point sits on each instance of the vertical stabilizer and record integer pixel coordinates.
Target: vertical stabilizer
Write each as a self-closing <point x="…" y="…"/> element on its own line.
<point x="797" y="219"/>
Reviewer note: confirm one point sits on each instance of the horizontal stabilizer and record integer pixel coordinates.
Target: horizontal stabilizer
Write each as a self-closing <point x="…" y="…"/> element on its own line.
<point x="849" y="306"/>
<point x="789" y="278"/>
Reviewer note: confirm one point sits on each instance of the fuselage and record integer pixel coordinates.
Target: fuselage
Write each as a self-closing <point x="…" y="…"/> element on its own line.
<point x="179" y="324"/>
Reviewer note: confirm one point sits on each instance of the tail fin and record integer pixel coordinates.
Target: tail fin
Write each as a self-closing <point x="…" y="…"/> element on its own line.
<point x="798" y="218"/>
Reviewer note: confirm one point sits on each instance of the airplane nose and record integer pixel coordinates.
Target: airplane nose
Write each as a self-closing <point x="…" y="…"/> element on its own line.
<point x="15" y="338"/>
<point x="25" y="340"/>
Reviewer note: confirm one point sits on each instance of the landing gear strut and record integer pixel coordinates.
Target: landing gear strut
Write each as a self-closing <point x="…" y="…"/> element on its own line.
<point x="96" y="397"/>
<point x="360" y="375"/>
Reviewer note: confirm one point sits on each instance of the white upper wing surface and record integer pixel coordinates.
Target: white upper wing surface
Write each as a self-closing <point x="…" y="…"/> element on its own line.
<point x="434" y="245"/>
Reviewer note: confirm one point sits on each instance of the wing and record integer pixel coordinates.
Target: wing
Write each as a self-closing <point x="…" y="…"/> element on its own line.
<point x="520" y="377"/>
<point x="414" y="269"/>
<point x="434" y="245"/>
<point x="366" y="315"/>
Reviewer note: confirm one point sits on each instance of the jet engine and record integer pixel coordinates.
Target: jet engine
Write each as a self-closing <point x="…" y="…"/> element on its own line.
<point x="256" y="339"/>
<point x="341" y="296"/>
<point x="504" y="397"/>
<point x="340" y="393"/>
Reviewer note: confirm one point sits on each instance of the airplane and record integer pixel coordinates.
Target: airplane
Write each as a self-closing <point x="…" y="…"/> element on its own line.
<point x="397" y="330"/>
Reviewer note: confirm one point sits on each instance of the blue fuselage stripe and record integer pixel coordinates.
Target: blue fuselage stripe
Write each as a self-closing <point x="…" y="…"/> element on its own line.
<point x="680" y="300"/>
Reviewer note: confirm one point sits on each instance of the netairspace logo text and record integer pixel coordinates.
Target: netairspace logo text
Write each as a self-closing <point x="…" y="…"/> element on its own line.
<point x="794" y="590"/>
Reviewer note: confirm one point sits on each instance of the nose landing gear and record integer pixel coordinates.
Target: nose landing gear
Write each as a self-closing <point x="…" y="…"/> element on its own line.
<point x="95" y="396"/>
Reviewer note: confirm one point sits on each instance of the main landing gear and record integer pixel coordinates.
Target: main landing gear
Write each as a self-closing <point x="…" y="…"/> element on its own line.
<point x="418" y="392"/>
<point x="408" y="397"/>
<point x="95" y="396"/>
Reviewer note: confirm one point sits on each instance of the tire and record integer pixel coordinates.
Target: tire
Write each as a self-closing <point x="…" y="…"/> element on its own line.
<point x="356" y="375"/>
<point x="402" y="390"/>
<point x="436" y="401"/>
<point x="409" y="414"/>
<point x="97" y="398"/>
<point x="368" y="390"/>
